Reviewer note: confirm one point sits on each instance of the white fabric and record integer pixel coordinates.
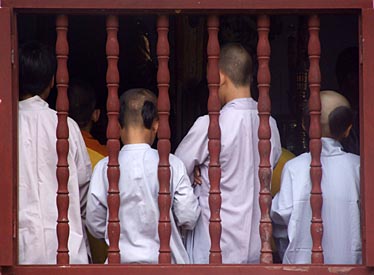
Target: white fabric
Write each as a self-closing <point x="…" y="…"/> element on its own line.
<point x="240" y="212"/>
<point x="340" y="211"/>
<point x="139" y="214"/>
<point x="37" y="185"/>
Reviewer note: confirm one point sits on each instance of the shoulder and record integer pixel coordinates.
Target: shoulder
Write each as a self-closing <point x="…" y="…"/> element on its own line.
<point x="298" y="162"/>
<point x="201" y="122"/>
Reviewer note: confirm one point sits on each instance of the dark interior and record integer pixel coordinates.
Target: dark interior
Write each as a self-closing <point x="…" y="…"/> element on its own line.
<point x="188" y="39"/>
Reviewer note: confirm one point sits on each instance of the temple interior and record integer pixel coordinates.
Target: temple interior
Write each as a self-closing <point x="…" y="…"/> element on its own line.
<point x="339" y="36"/>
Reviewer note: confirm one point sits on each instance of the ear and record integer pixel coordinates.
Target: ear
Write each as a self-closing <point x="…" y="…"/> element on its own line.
<point x="95" y="115"/>
<point x="52" y="83"/>
<point x="155" y="125"/>
<point x="346" y="133"/>
<point x="222" y="78"/>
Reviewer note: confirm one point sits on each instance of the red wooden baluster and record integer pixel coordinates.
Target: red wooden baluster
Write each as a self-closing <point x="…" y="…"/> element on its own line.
<point x="113" y="135"/>
<point x="314" y="51"/>
<point x="264" y="134"/>
<point x="62" y="144"/>
<point x="163" y="145"/>
<point x="214" y="144"/>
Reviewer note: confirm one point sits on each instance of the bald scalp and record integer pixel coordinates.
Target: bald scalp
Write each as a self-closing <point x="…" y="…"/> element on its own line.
<point x="236" y="63"/>
<point x="138" y="108"/>
<point x="336" y="114"/>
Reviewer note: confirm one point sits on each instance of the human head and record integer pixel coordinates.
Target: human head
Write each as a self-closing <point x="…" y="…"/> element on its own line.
<point x="37" y="66"/>
<point x="138" y="115"/>
<point x="236" y="69"/>
<point x="336" y="115"/>
<point x="82" y="104"/>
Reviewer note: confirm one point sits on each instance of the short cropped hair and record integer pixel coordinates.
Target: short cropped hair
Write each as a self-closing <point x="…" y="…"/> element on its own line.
<point x="82" y="102"/>
<point x="339" y="121"/>
<point x="138" y="108"/>
<point x="236" y="63"/>
<point x="37" y="66"/>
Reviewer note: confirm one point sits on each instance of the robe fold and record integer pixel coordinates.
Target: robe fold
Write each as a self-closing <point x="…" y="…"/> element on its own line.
<point x="291" y="212"/>
<point x="37" y="185"/>
<point x="240" y="212"/>
<point x="138" y="213"/>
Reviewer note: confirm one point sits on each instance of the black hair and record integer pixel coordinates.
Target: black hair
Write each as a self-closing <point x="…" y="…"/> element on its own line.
<point x="37" y="66"/>
<point x="339" y="121"/>
<point x="236" y="63"/>
<point x="82" y="102"/>
<point x="138" y="108"/>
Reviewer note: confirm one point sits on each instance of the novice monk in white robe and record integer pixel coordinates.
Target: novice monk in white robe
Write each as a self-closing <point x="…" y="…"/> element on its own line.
<point x="139" y="186"/>
<point x="37" y="185"/>
<point x="239" y="121"/>
<point x="291" y="211"/>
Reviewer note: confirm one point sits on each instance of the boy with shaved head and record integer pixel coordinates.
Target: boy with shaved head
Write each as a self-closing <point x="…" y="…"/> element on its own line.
<point x="239" y="158"/>
<point x="291" y="212"/>
<point x="138" y="185"/>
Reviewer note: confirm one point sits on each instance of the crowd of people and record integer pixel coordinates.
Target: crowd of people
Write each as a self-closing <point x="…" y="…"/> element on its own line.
<point x="189" y="176"/>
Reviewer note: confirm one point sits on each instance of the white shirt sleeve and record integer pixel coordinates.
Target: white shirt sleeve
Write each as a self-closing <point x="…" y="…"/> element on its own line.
<point x="97" y="201"/>
<point x="185" y="205"/>
<point x="193" y="149"/>
<point x="282" y="204"/>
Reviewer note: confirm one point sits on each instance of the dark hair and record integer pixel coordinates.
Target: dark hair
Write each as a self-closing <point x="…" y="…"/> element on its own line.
<point x="236" y="63"/>
<point x="37" y="66"/>
<point x="339" y="121"/>
<point x="82" y="102"/>
<point x="138" y="108"/>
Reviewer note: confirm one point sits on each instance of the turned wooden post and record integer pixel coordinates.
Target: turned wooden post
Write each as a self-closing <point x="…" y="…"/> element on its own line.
<point x="163" y="145"/>
<point x="264" y="134"/>
<point x="315" y="146"/>
<point x="62" y="144"/>
<point x="113" y="135"/>
<point x="214" y="143"/>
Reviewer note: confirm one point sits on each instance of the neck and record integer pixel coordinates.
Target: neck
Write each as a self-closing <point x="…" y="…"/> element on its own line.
<point x="237" y="92"/>
<point x="43" y="95"/>
<point x="136" y="135"/>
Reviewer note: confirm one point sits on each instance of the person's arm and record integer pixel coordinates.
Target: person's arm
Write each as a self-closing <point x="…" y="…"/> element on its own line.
<point x="282" y="204"/>
<point x="82" y="163"/>
<point x="193" y="149"/>
<point x="276" y="147"/>
<point x="97" y="201"/>
<point x="281" y="210"/>
<point x="185" y="204"/>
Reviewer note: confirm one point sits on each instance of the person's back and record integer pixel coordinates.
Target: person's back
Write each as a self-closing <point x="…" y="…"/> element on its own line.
<point x="239" y="158"/>
<point x="340" y="185"/>
<point x="37" y="166"/>
<point x="139" y="186"/>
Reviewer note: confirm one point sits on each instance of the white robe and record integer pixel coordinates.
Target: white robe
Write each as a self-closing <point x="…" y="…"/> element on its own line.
<point x="138" y="213"/>
<point x="37" y="185"/>
<point x="240" y="212"/>
<point x="340" y="211"/>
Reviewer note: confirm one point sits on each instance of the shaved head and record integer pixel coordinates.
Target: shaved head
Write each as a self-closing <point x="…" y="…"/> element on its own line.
<point x="236" y="63"/>
<point x="138" y="108"/>
<point x="336" y="114"/>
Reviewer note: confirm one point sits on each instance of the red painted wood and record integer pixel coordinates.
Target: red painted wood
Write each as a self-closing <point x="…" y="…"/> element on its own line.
<point x="163" y="145"/>
<point x="196" y="5"/>
<point x="264" y="134"/>
<point x="8" y="144"/>
<point x="113" y="135"/>
<point x="367" y="134"/>
<point x="62" y="144"/>
<point x="214" y="143"/>
<point x="314" y="77"/>
<point x="192" y="269"/>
